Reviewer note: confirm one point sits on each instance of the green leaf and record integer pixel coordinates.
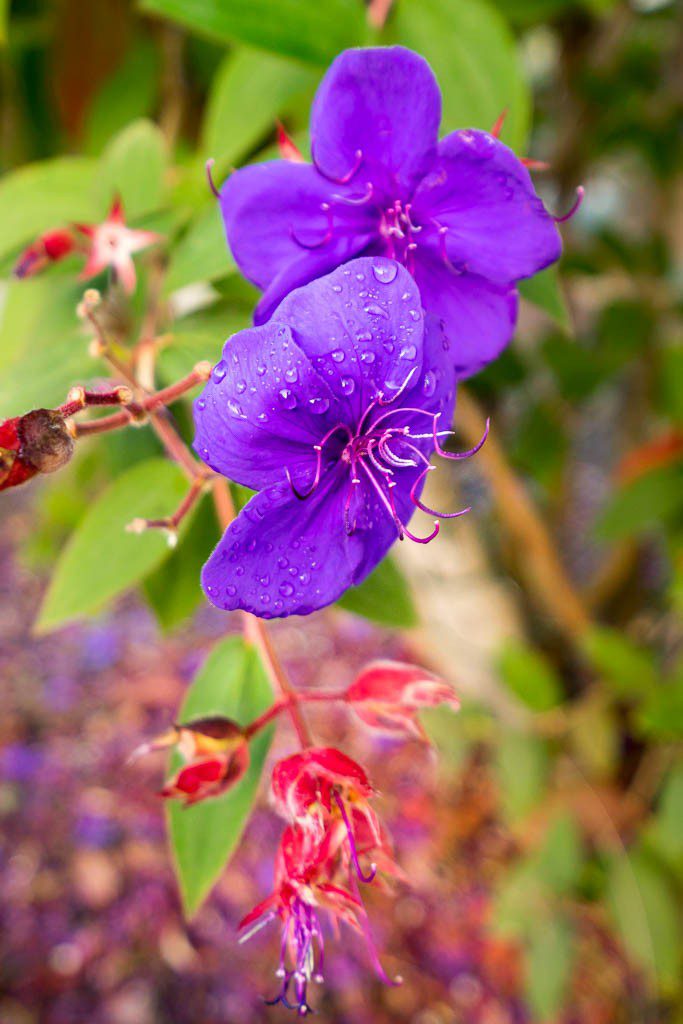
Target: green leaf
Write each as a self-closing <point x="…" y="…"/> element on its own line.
<point x="549" y="964"/>
<point x="522" y="769"/>
<point x="102" y="559"/>
<point x="43" y="350"/>
<point x="250" y="90"/>
<point x="645" y="504"/>
<point x="174" y="590"/>
<point x="383" y="597"/>
<point x="560" y="858"/>
<point x="666" y="832"/>
<point x="529" y="675"/>
<point x="644" y="907"/>
<point x="520" y="900"/>
<point x="312" y="31"/>
<point x="629" y="669"/>
<point x="543" y="290"/>
<point x="203" y="837"/>
<point x="202" y="253"/>
<point x="45" y="195"/>
<point x="474" y="56"/>
<point x="128" y="94"/>
<point x="660" y="716"/>
<point x="132" y="167"/>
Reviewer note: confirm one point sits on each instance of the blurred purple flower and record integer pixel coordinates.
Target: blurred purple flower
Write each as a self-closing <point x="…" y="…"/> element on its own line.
<point x="461" y="214"/>
<point x="330" y="412"/>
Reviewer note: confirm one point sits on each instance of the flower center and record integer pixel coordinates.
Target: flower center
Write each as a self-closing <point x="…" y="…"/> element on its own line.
<point x="301" y="932"/>
<point x="399" y="233"/>
<point x="376" y="451"/>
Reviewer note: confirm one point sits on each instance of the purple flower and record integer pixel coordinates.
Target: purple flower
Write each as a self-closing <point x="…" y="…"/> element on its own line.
<point x="461" y="214"/>
<point x="330" y="411"/>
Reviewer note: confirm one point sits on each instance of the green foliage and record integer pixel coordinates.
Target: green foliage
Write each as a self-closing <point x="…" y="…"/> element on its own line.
<point x="543" y="290"/>
<point x="474" y="57"/>
<point x="231" y="682"/>
<point x="529" y="676"/>
<point x="522" y="772"/>
<point x="102" y="559"/>
<point x="202" y="253"/>
<point x="313" y="32"/>
<point x="130" y="93"/>
<point x="628" y="669"/>
<point x="132" y="167"/>
<point x="384" y="597"/>
<point x="550" y="959"/>
<point x="646" y="504"/>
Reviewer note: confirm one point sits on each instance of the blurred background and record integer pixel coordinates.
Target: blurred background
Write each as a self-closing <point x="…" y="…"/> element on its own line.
<point x="544" y="844"/>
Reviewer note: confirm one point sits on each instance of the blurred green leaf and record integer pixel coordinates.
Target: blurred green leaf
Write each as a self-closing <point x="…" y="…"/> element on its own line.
<point x="249" y="92"/>
<point x="560" y="858"/>
<point x="202" y="253"/>
<point x="474" y="56"/>
<point x="629" y="669"/>
<point x="671" y="383"/>
<point x="644" y="907"/>
<point x="46" y="195"/>
<point x="543" y="290"/>
<point x="102" y="559"/>
<point x="520" y="900"/>
<point x="132" y="166"/>
<point x="529" y="675"/>
<point x="186" y="350"/>
<point x="128" y="94"/>
<point x="43" y="350"/>
<point x="549" y="964"/>
<point x="231" y="682"/>
<point x="648" y="503"/>
<point x="313" y="32"/>
<point x="383" y="597"/>
<point x="522" y="772"/>
<point x="666" y="830"/>
<point x="174" y="589"/>
<point x="595" y="736"/>
<point x="660" y="716"/>
<point x="4" y="18"/>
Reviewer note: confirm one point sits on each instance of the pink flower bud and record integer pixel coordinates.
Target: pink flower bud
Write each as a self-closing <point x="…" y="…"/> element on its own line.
<point x="48" y="248"/>
<point x="388" y="694"/>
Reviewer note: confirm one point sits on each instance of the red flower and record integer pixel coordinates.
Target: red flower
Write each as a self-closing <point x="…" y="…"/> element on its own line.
<point x="48" y="248"/>
<point x="216" y="753"/>
<point x="38" y="442"/>
<point x="388" y="694"/>
<point x="112" y="244"/>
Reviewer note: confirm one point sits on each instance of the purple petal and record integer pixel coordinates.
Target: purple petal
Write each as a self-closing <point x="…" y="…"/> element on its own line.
<point x="482" y="194"/>
<point x="479" y="317"/>
<point x="361" y="327"/>
<point x="274" y="216"/>
<point x="385" y="104"/>
<point x="263" y="408"/>
<point x="282" y="556"/>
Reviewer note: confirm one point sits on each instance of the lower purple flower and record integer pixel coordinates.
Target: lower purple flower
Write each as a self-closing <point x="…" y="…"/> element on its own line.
<point x="330" y="411"/>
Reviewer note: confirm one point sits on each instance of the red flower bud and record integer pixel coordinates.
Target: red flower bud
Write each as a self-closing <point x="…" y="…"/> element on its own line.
<point x="38" y="442"/>
<point x="388" y="694"/>
<point x="48" y="248"/>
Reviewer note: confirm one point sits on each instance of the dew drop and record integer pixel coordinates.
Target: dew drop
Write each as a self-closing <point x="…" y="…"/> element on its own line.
<point x="201" y="403"/>
<point x="374" y="310"/>
<point x="286" y="589"/>
<point x="429" y="384"/>
<point x="260" y="369"/>
<point x="235" y="408"/>
<point x="338" y="355"/>
<point x="283" y="562"/>
<point x="219" y="372"/>
<point x="362" y="336"/>
<point x="348" y="385"/>
<point x="305" y="578"/>
<point x="414" y="314"/>
<point x="291" y="375"/>
<point x="408" y="352"/>
<point x="319" y="405"/>
<point x="241" y="387"/>
<point x="287" y="398"/>
<point x="386" y="273"/>
<point x="231" y="590"/>
<point x="336" y="288"/>
<point x="367" y="357"/>
<point x="262" y="417"/>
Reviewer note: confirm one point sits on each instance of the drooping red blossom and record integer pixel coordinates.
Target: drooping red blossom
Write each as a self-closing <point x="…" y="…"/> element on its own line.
<point x="388" y="694"/>
<point x="112" y="244"/>
<point x="48" y="248"/>
<point x="38" y="442"/>
<point x="216" y="754"/>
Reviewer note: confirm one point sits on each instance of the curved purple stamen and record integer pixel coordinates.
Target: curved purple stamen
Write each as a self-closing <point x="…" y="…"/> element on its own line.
<point x="316" y="479"/>
<point x="345" y="179"/>
<point x="209" y="176"/>
<point x="356" y="200"/>
<point x="459" y="455"/>
<point x="580" y="193"/>
<point x="382" y="400"/>
<point x="425" y="508"/>
<point x="325" y="208"/>
<point x="409" y="535"/>
<point x="352" y="842"/>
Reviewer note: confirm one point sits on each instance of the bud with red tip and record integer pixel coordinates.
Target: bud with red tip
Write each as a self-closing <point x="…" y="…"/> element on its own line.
<point x="38" y="442"/>
<point x="48" y="248"/>
<point x="388" y="694"/>
<point x="216" y="754"/>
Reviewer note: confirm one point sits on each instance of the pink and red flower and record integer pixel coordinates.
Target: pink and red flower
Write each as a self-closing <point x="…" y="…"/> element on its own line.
<point x="387" y="695"/>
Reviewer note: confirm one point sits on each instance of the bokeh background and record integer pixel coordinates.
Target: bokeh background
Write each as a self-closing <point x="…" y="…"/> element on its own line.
<point x="544" y="839"/>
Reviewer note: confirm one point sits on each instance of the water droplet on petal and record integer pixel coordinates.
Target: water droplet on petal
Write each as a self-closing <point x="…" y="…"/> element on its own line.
<point x="260" y="369"/>
<point x="235" y="408"/>
<point x="201" y="403"/>
<point x="408" y="352"/>
<point x="338" y="355"/>
<point x="429" y="384"/>
<point x="291" y="374"/>
<point x="414" y="314"/>
<point x="388" y="346"/>
<point x="363" y="336"/>
<point x="231" y="590"/>
<point x="374" y="310"/>
<point x="319" y="405"/>
<point x="283" y="562"/>
<point x="286" y="589"/>
<point x="241" y="387"/>
<point x="348" y="385"/>
<point x="287" y="398"/>
<point x="386" y="273"/>
<point x="336" y="288"/>
<point x="219" y="372"/>
<point x="367" y="357"/>
<point x="262" y="417"/>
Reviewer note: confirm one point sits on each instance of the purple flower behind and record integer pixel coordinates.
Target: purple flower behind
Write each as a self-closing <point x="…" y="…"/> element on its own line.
<point x="461" y="214"/>
<point x="330" y="412"/>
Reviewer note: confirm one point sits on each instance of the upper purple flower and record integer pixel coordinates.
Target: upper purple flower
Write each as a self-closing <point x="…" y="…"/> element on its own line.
<point x="461" y="214"/>
<point x="330" y="411"/>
